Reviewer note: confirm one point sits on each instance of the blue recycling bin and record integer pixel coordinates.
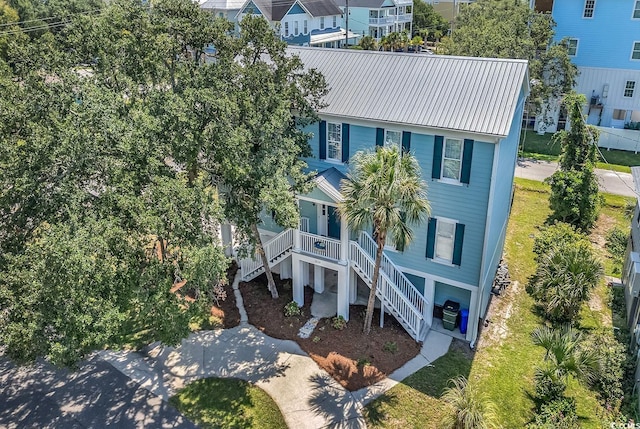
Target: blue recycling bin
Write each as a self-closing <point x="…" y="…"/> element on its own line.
<point x="464" y="320"/>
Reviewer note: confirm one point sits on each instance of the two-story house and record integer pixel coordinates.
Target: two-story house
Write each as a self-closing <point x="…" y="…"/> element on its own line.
<point x="301" y="22"/>
<point x="449" y="9"/>
<point x="461" y="118"/>
<point x="222" y="8"/>
<point x="378" y="18"/>
<point x="604" y="42"/>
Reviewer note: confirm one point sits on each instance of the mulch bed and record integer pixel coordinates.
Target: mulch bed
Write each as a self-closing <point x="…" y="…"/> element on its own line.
<point x="350" y="357"/>
<point x="228" y="311"/>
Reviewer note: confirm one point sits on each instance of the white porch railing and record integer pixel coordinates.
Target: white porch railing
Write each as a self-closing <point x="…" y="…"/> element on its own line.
<point x="395" y="275"/>
<point x="382" y="21"/>
<point x="322" y="246"/>
<point x="393" y="299"/>
<point x="406" y="17"/>
<point x="274" y="249"/>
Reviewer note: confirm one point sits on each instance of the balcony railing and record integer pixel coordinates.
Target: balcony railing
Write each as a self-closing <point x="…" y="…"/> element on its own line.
<point x="321" y="246"/>
<point x="382" y="21"/>
<point x="407" y="17"/>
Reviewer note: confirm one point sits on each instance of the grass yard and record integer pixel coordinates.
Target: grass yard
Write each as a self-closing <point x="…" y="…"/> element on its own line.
<point x="228" y="403"/>
<point x="505" y="358"/>
<point x="543" y="148"/>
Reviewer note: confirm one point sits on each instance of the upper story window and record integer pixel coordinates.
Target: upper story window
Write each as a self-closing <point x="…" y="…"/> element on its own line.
<point x="635" y="52"/>
<point x="286" y="29"/>
<point x="629" y="88"/>
<point x="295" y="28"/>
<point x="572" y="47"/>
<point x="452" y="159"/>
<point x="322" y="23"/>
<point x="445" y="232"/>
<point x="393" y="138"/>
<point x="334" y="141"/>
<point x="335" y="21"/>
<point x="589" y="7"/>
<point x="445" y="238"/>
<point x="636" y="10"/>
<point x="306" y="27"/>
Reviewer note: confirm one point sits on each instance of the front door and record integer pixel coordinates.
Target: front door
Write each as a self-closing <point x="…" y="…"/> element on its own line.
<point x="333" y="223"/>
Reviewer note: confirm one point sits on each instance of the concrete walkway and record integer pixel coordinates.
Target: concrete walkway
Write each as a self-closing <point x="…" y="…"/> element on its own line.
<point x="307" y="396"/>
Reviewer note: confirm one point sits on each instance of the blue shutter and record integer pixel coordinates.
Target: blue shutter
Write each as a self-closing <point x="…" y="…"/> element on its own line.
<point x="437" y="157"/>
<point x="467" y="154"/>
<point x="323" y="140"/>
<point x="345" y="142"/>
<point x="457" y="244"/>
<point x="379" y="136"/>
<point x="431" y="237"/>
<point x="406" y="141"/>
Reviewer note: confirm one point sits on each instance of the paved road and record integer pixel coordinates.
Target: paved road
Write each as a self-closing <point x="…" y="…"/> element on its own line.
<point x="96" y="395"/>
<point x="610" y="181"/>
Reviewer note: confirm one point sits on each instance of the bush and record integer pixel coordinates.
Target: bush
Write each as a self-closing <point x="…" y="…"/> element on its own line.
<point x="338" y="323"/>
<point x="564" y="279"/>
<point x="557" y="414"/>
<point x="390" y="346"/>
<point x="558" y="234"/>
<point x="292" y="309"/>
<point x="548" y="386"/>
<point x="617" y="239"/>
<point x="574" y="197"/>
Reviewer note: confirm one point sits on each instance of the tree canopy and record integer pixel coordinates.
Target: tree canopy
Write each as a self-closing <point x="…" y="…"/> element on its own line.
<point x="427" y="22"/>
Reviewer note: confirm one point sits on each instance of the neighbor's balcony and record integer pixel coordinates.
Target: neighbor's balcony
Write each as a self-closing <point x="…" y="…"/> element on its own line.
<point x="318" y="245"/>
<point x="382" y="21"/>
<point x="407" y="17"/>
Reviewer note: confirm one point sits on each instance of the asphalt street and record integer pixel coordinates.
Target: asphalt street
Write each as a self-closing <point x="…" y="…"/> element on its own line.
<point x="609" y="181"/>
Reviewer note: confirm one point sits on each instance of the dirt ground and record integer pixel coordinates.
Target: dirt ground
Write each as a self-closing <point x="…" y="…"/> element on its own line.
<point x="351" y="358"/>
<point x="227" y="311"/>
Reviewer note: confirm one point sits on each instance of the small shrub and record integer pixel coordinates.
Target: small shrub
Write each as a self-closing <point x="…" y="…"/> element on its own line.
<point x="557" y="414"/>
<point x="608" y="380"/>
<point x="338" y="323"/>
<point x="548" y="386"/>
<point x="390" y="346"/>
<point x="558" y="234"/>
<point x="292" y="309"/>
<point x="316" y="339"/>
<point x="616" y="246"/>
<point x="362" y="362"/>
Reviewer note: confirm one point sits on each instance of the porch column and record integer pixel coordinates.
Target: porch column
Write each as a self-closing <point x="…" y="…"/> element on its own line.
<point x="298" y="280"/>
<point x="344" y="242"/>
<point x="472" y="326"/>
<point x="343" y="291"/>
<point x="318" y="279"/>
<point x="305" y="273"/>
<point x="226" y="237"/>
<point x="353" y="286"/>
<point x="430" y="294"/>
<point x="285" y="269"/>
<point x="297" y="242"/>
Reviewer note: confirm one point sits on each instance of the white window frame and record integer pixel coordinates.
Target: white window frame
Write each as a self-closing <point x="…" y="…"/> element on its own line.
<point x="636" y="9"/>
<point x="334" y="142"/>
<point x="296" y="29"/>
<point x="592" y="9"/>
<point x="322" y="23"/>
<point x="444" y="158"/>
<point x="387" y="142"/>
<point x="305" y="26"/>
<point x="614" y="116"/>
<point x="635" y="47"/>
<point x="442" y="237"/>
<point x="286" y="29"/>
<point x="631" y="89"/>
<point x="575" y="53"/>
<point x="335" y="21"/>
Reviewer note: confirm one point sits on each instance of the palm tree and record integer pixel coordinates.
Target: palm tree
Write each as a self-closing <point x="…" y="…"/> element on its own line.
<point x="469" y="410"/>
<point x="368" y="43"/>
<point x="564" y="355"/>
<point x="564" y="279"/>
<point x="383" y="190"/>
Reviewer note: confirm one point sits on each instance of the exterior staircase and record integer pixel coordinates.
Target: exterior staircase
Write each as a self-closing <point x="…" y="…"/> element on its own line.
<point x="395" y="291"/>
<point x="397" y="294"/>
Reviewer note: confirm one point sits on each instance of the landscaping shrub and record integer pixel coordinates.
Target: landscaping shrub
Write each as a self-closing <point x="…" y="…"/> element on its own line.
<point x="616" y="245"/>
<point x="548" y="386"/>
<point x="390" y="346"/>
<point x="557" y="414"/>
<point x="292" y="309"/>
<point x="338" y="323"/>
<point x="574" y="197"/>
<point x="558" y="234"/>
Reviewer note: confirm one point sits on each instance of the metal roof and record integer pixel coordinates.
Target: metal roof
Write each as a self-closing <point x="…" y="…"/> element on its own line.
<point x="370" y="4"/>
<point x="475" y="95"/>
<point x="221" y="4"/>
<point x="321" y="8"/>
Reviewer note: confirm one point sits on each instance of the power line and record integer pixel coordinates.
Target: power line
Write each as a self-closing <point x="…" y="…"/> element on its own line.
<point x="47" y="18"/>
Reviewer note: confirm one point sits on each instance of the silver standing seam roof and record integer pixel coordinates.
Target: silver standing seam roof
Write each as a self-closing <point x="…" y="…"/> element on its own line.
<point x="475" y="95"/>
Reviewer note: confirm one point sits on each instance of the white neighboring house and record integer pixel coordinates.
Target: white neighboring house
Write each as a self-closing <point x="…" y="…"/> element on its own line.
<point x="222" y="8"/>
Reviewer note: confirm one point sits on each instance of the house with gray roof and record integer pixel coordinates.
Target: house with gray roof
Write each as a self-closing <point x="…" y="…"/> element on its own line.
<point x="378" y="18"/>
<point x="461" y="118"/>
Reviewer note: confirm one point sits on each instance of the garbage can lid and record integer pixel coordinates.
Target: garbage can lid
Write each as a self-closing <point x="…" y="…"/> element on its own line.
<point x="464" y="312"/>
<point x="451" y="305"/>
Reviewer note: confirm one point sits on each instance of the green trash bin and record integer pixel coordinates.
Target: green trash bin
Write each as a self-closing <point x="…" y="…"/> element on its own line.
<point x="450" y="314"/>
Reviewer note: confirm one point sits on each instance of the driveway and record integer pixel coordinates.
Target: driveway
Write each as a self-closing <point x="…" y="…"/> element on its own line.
<point x="609" y="181"/>
<point x="96" y="395"/>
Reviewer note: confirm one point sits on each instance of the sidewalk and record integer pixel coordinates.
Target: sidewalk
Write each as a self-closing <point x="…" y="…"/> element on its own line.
<point x="307" y="396"/>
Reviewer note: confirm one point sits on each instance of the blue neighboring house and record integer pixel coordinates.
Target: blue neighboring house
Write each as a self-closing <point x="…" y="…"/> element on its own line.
<point x="301" y="22"/>
<point x="604" y="42"/>
<point x="461" y="118"/>
<point x="378" y="18"/>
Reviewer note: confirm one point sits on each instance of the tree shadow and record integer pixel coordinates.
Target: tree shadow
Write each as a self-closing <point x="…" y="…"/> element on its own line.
<point x="334" y="403"/>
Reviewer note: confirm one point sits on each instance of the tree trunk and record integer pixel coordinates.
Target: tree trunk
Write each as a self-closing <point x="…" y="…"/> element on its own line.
<point x="271" y="284"/>
<point x="368" y="318"/>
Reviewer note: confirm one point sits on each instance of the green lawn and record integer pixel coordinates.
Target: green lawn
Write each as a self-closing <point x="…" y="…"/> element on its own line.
<point x="504" y="368"/>
<point x="542" y="147"/>
<point x="228" y="403"/>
